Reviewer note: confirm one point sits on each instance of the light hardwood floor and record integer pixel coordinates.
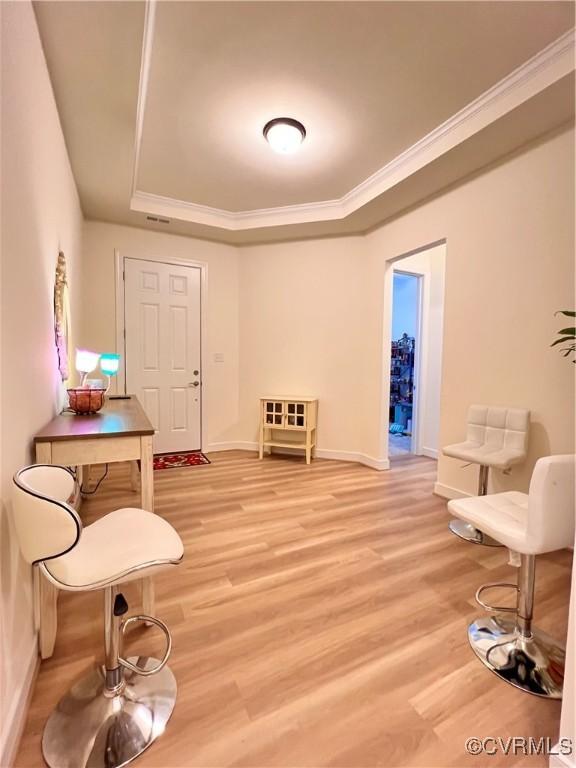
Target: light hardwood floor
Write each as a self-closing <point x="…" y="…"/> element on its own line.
<point x="319" y="619"/>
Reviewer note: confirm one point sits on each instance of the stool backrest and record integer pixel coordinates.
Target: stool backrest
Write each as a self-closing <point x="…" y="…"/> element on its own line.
<point x="499" y="427"/>
<point x="551" y="510"/>
<point x="46" y="525"/>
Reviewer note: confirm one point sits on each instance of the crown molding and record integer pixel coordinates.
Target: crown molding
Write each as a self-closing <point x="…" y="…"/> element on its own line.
<point x="538" y="73"/>
<point x="168" y="207"/>
<point x="143" y="80"/>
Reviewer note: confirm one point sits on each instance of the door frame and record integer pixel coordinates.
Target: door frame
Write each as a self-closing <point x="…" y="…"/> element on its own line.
<point x="120" y="323"/>
<point x="390" y="266"/>
<point x="418" y="401"/>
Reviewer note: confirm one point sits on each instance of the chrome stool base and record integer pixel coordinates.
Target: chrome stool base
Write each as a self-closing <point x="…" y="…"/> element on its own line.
<point x="90" y="727"/>
<point x="534" y="664"/>
<point x="467" y="532"/>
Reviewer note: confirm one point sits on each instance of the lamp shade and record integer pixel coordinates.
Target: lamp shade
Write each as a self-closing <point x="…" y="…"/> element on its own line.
<point x="284" y="134"/>
<point x="109" y="363"/>
<point x="86" y="361"/>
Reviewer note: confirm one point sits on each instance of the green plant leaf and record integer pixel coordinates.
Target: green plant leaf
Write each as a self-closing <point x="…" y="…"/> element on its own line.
<point x="568" y="331"/>
<point x="562" y="340"/>
<point x="567" y="312"/>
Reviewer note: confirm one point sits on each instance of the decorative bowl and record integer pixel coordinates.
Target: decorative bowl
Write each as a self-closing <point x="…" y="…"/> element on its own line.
<point x="83" y="400"/>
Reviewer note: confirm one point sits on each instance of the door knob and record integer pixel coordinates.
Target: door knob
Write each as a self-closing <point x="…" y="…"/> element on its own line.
<point x="193" y="383"/>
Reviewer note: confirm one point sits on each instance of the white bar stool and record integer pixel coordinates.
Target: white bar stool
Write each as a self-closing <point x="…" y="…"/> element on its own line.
<point x="495" y="438"/>
<point x="530" y="524"/>
<point x="115" y="712"/>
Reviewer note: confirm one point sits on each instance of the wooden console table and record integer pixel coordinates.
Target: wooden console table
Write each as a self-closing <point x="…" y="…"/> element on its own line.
<point x="121" y="431"/>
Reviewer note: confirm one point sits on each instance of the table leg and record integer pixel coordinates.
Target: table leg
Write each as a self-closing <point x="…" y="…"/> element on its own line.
<point x="146" y="473"/>
<point x="36" y="596"/>
<point x="46" y="596"/>
<point x="45" y="593"/>
<point x="43" y="453"/>
<point x="148" y="598"/>
<point x="147" y="493"/>
<point x="134" y="476"/>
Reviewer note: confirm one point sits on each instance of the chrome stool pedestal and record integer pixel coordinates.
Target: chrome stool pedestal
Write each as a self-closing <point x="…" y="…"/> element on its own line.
<point x="535" y="664"/>
<point x="512" y="649"/>
<point x="470" y="534"/>
<point x="465" y="530"/>
<point x="114" y="713"/>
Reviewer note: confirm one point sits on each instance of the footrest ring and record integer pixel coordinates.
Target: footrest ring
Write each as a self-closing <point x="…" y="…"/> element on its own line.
<point x="495" y="608"/>
<point x="134" y="667"/>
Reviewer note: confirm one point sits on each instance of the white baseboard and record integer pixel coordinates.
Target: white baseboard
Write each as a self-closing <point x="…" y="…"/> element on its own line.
<point x="321" y="453"/>
<point x="432" y="453"/>
<point x="359" y="458"/>
<point x="238" y="445"/>
<point x="561" y="761"/>
<point x="447" y="492"/>
<point x="16" y="717"/>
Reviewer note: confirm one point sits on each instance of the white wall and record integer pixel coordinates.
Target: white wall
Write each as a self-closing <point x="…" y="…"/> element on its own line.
<point x="312" y="317"/>
<point x="221" y="380"/>
<point x="289" y="317"/>
<point x="509" y="266"/>
<point x="40" y="215"/>
<point x="307" y="328"/>
<point x="311" y="321"/>
<point x="430" y="264"/>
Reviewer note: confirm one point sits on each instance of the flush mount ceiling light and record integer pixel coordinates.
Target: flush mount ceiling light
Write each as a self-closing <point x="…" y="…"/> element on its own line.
<point x="284" y="134"/>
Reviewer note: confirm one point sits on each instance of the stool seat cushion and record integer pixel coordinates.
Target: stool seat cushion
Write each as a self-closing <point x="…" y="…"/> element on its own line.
<point x="534" y="523"/>
<point x="124" y="545"/>
<point x="500" y="515"/>
<point x="495" y="437"/>
<point x="484" y="453"/>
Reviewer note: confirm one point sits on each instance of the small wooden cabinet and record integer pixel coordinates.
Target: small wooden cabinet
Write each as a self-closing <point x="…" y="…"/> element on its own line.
<point x="288" y="422"/>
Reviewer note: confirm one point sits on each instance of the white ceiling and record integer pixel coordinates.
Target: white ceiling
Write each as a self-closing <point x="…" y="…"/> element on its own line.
<point x="370" y="80"/>
<point x="366" y="79"/>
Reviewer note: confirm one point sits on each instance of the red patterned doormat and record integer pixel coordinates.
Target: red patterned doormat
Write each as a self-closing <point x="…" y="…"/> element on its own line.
<point x="173" y="460"/>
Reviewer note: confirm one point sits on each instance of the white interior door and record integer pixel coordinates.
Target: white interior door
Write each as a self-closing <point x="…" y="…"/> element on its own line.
<point x="162" y="316"/>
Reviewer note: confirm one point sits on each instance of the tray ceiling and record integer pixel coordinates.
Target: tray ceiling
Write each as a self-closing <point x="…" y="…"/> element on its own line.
<point x="163" y="105"/>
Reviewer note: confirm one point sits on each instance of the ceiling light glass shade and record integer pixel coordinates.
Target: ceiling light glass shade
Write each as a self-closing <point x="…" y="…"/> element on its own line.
<point x="284" y="135"/>
<point x="86" y="361"/>
<point x="109" y="363"/>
